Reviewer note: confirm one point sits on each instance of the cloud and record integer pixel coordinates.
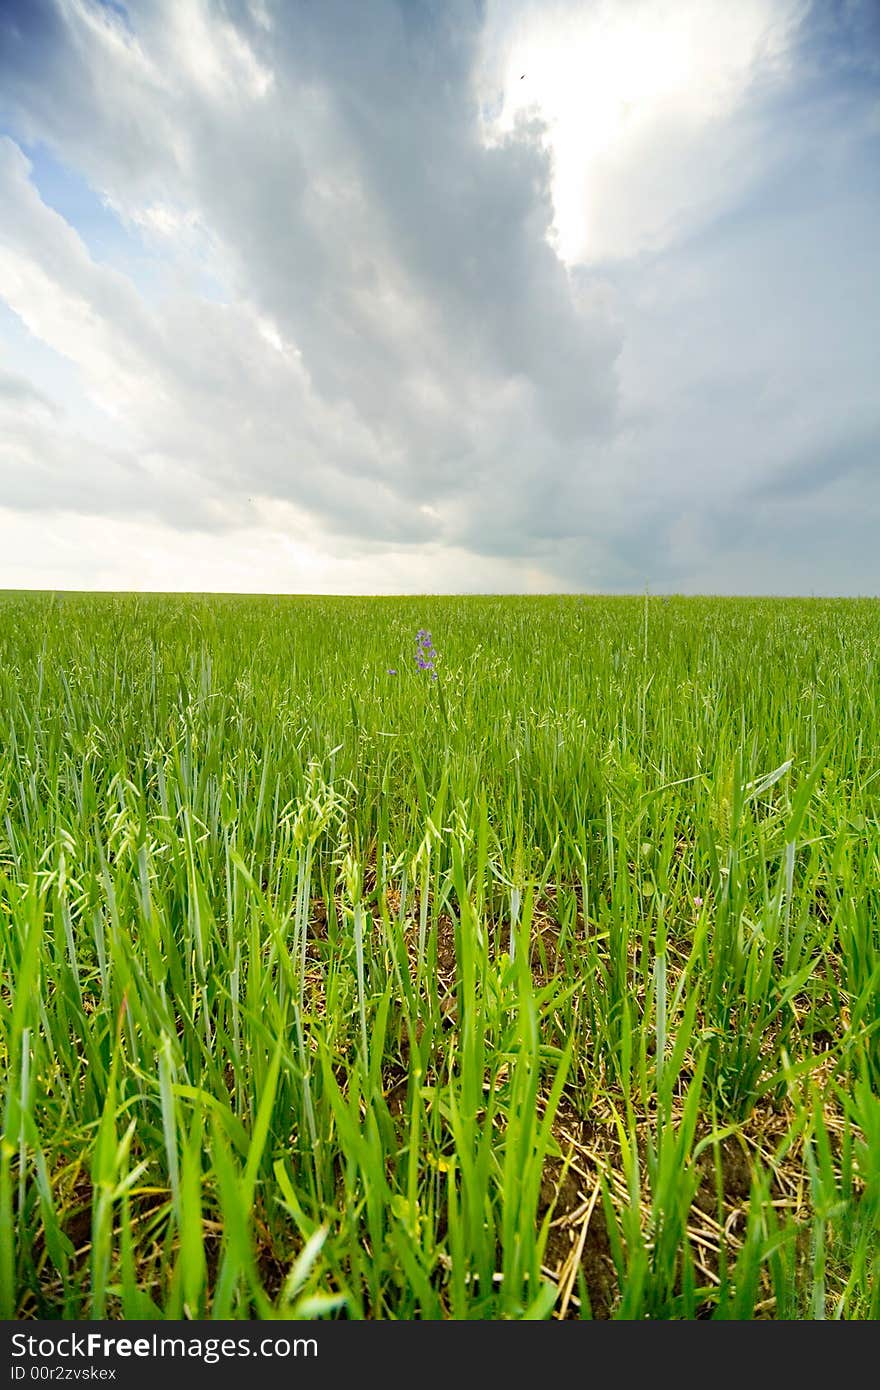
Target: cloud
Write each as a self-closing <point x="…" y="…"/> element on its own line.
<point x="277" y="553"/>
<point x="211" y="404"/>
<point x="650" y="108"/>
<point x="851" y="458"/>
<point x="406" y="261"/>
<point x="410" y="309"/>
<point x="17" y="392"/>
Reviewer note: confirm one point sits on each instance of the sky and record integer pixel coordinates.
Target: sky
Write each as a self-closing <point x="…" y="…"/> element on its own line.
<point x="419" y="296"/>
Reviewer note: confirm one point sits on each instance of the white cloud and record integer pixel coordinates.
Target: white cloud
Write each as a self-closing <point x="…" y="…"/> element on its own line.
<point x="65" y="551"/>
<point x="640" y="102"/>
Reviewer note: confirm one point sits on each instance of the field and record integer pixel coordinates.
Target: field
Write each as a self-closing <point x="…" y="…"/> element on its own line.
<point x="549" y="987"/>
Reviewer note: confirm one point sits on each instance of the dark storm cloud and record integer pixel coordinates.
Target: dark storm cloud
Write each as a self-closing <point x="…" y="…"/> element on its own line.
<point x="846" y="458"/>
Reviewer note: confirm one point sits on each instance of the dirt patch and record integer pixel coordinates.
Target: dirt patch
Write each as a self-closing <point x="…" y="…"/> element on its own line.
<point x="318" y="919"/>
<point x="736" y="1176"/>
<point x="578" y="1251"/>
<point x="446" y="956"/>
<point x="395" y="1082"/>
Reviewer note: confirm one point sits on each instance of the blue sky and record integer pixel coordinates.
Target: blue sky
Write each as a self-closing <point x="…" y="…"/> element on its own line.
<point x="409" y="297"/>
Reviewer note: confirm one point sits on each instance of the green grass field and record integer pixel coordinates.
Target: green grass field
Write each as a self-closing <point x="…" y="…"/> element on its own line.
<point x="547" y="988"/>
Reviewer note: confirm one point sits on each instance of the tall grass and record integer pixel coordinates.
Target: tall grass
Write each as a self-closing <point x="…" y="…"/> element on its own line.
<point x="551" y="987"/>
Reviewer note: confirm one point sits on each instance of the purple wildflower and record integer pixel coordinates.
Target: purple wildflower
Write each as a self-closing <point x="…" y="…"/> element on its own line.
<point x="392" y="671"/>
<point x="425" y="655"/>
